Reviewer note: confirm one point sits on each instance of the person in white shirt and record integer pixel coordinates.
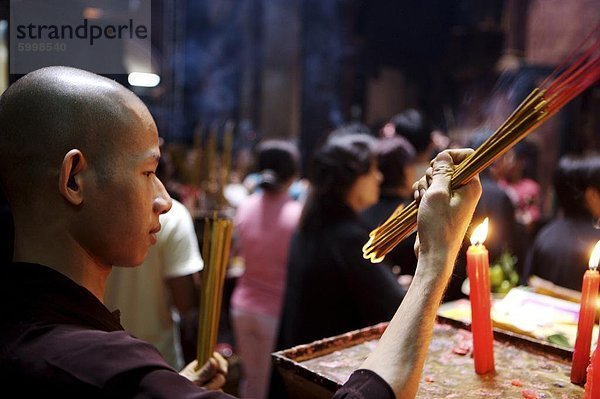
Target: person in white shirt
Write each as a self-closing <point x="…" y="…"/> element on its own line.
<point x="158" y="300"/>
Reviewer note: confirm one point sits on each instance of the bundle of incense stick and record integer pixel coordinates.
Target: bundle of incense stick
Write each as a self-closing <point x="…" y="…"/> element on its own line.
<point x="216" y="243"/>
<point x="578" y="72"/>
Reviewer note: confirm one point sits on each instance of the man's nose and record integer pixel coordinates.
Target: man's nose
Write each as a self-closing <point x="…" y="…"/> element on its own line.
<point x="162" y="202"/>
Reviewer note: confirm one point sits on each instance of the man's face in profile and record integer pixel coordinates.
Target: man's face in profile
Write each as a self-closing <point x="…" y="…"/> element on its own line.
<point x="122" y="221"/>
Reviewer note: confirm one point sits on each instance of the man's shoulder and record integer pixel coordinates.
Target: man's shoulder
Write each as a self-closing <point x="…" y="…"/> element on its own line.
<point x="78" y="354"/>
<point x="66" y="344"/>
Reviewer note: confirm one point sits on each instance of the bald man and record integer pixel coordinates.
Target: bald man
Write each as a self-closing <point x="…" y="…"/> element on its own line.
<point x="78" y="162"/>
<point x="78" y="155"/>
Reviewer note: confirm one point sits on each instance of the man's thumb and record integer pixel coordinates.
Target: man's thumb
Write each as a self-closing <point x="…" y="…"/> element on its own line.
<point x="443" y="168"/>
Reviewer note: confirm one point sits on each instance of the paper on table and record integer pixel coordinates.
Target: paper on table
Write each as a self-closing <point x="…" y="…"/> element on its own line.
<point x="525" y="312"/>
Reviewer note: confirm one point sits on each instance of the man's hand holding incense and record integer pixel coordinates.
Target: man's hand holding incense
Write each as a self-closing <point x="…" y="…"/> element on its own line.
<point x="442" y="221"/>
<point x="444" y="213"/>
<point x="212" y="375"/>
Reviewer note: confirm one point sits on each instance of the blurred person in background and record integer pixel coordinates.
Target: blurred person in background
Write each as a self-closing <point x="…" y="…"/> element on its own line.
<point x="395" y="160"/>
<point x="331" y="288"/>
<point x="561" y="249"/>
<point x="264" y="223"/>
<point x="297" y="189"/>
<point x="413" y="125"/>
<point x="515" y="174"/>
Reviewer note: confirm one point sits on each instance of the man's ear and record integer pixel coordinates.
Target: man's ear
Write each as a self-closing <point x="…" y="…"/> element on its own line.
<point x="70" y="182"/>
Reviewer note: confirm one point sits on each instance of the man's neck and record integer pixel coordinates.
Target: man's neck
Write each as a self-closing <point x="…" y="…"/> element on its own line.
<point x="63" y="255"/>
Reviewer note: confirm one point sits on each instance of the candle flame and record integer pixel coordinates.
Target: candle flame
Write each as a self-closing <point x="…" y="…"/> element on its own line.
<point x="480" y="233"/>
<point x="595" y="257"/>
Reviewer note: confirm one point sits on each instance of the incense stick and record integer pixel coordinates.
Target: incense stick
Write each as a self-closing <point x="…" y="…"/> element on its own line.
<point x="216" y="244"/>
<point x="226" y="162"/>
<point x="557" y="90"/>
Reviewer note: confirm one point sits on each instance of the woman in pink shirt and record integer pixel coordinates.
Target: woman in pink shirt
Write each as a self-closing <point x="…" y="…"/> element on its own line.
<point x="264" y="224"/>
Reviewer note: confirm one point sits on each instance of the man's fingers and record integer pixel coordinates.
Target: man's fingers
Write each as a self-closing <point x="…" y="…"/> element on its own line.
<point x="208" y="370"/>
<point x="441" y="170"/>
<point x="193" y="365"/>
<point x="443" y="167"/>
<point x="212" y="374"/>
<point x="419" y="188"/>
<point x="458" y="154"/>
<point x="216" y="383"/>
<point x="216" y="372"/>
<point x="222" y="364"/>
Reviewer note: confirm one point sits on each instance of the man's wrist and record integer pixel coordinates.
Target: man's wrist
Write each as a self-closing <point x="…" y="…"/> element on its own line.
<point x="435" y="264"/>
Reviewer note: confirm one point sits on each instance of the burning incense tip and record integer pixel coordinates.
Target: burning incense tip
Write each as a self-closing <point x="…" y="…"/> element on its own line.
<point x="369" y="253"/>
<point x="373" y="259"/>
<point x="367" y="247"/>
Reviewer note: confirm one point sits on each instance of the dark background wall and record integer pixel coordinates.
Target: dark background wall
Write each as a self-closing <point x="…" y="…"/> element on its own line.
<point x="299" y="68"/>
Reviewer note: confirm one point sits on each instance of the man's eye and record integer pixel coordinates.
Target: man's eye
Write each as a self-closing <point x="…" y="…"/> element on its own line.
<point x="149" y="173"/>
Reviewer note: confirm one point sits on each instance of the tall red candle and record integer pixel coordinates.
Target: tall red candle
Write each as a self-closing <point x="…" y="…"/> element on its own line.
<point x="592" y="383"/>
<point x="479" y="295"/>
<point x="587" y="315"/>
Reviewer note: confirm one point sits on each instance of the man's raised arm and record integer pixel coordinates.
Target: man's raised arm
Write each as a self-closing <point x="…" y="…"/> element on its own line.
<point x="443" y="218"/>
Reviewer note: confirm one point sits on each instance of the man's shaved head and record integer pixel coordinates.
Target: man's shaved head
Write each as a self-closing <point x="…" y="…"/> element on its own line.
<point x="52" y="110"/>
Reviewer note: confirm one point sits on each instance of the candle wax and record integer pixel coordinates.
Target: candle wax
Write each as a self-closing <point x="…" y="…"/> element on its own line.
<point x="481" y="321"/>
<point x="587" y="315"/>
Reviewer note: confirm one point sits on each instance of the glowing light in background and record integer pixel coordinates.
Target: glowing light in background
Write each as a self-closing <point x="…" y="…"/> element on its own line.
<point x="143" y="79"/>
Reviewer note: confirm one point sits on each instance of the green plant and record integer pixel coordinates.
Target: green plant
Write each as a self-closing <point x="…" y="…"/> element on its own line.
<point x="503" y="273"/>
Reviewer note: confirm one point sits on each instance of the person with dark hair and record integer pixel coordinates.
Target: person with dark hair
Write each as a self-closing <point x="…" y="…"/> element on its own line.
<point x="264" y="223"/>
<point x="78" y="156"/>
<point x="330" y="287"/>
<point x="254" y="181"/>
<point x="516" y="177"/>
<point x="413" y="125"/>
<point x="395" y="159"/>
<point x="350" y="128"/>
<point x="561" y="249"/>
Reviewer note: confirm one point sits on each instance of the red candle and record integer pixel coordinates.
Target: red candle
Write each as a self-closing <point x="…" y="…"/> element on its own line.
<point x="592" y="383"/>
<point x="479" y="295"/>
<point x="587" y="316"/>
